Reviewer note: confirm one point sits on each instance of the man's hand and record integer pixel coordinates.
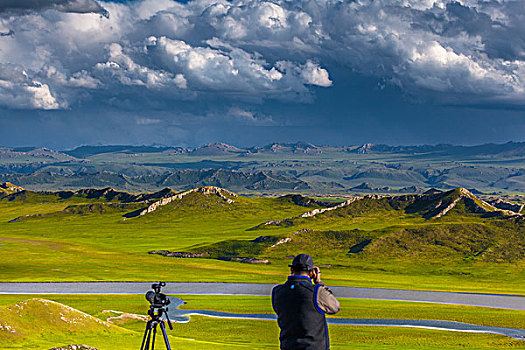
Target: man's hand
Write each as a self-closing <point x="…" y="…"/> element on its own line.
<point x="316" y="278"/>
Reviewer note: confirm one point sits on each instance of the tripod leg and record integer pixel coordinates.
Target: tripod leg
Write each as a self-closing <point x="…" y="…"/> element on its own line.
<point x="154" y="334"/>
<point x="166" y="340"/>
<point x="145" y="339"/>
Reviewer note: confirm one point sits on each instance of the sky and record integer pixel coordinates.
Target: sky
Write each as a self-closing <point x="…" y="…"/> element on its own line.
<point x="253" y="72"/>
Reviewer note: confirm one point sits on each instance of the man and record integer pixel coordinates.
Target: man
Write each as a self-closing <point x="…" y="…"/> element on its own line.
<point x="301" y="304"/>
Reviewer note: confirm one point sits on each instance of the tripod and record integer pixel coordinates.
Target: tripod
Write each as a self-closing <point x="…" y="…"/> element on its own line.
<point x="151" y="327"/>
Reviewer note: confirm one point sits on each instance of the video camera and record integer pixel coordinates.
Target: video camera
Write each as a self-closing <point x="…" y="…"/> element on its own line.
<point x="155" y="297"/>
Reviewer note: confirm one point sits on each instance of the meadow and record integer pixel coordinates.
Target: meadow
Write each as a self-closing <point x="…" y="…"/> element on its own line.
<point x="212" y="333"/>
<point x="86" y="239"/>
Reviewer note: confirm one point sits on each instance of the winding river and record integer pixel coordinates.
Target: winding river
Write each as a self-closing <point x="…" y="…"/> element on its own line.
<point x="515" y="302"/>
<point x="180" y="315"/>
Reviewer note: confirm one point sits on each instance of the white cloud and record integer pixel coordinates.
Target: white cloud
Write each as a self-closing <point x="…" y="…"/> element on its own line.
<point x="315" y="75"/>
<point x="121" y="67"/>
<point x="226" y="69"/>
<point x="20" y="91"/>
<point x="243" y="116"/>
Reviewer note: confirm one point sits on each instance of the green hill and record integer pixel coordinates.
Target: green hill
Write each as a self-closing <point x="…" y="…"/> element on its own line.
<point x="437" y="226"/>
<point x="48" y="323"/>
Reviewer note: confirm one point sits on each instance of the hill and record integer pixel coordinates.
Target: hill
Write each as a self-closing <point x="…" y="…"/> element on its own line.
<point x="437" y="226"/>
<point x="47" y="323"/>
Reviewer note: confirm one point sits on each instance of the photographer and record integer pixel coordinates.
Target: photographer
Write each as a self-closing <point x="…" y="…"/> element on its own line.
<point x="301" y="304"/>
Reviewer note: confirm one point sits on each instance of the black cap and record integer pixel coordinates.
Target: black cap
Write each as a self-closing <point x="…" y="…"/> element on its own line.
<point x="303" y="262"/>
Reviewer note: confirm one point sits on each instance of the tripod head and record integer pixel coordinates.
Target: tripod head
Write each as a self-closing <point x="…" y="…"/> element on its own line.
<point x="156" y="314"/>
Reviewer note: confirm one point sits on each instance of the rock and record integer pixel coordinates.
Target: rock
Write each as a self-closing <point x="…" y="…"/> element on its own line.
<point x="284" y="240"/>
<point x="246" y="260"/>
<point x="179" y="254"/>
<point x="261" y="239"/>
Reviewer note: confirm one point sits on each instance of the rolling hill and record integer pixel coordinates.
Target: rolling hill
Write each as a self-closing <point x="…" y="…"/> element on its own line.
<point x="452" y="225"/>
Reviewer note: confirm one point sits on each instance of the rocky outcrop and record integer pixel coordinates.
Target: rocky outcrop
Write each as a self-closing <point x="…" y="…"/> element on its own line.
<point x="179" y="254"/>
<point x="453" y="197"/>
<point x="23" y="217"/>
<point x="308" y="214"/>
<point x="445" y="209"/>
<point x="206" y="190"/>
<point x="10" y="187"/>
<point x="282" y="241"/>
<point x="246" y="260"/>
<point x="501" y="204"/>
<point x="322" y="210"/>
<point x="123" y="317"/>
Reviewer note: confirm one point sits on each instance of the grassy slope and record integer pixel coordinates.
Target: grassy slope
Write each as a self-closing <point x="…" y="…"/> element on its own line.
<point x="264" y="334"/>
<point x="85" y="247"/>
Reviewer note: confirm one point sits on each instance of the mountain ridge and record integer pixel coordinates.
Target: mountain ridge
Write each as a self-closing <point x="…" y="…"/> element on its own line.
<point x="277" y="167"/>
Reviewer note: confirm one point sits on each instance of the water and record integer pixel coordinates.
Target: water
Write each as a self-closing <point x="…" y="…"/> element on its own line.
<point x="179" y="315"/>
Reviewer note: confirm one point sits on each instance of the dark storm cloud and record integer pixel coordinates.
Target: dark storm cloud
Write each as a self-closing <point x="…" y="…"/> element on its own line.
<point x="256" y="51"/>
<point x="74" y="6"/>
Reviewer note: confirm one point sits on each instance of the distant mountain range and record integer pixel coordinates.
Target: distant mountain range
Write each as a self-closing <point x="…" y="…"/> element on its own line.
<point x="277" y="167"/>
<point x="510" y="149"/>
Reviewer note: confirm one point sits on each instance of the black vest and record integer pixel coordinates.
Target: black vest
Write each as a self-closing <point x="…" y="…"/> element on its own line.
<point x="302" y="322"/>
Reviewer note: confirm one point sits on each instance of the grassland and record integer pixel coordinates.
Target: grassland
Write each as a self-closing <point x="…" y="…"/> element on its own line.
<point x="403" y="248"/>
<point x="104" y="246"/>
<point x="210" y="333"/>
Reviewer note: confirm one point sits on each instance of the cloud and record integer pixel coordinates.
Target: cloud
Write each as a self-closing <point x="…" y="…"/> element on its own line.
<point x="256" y="50"/>
<point x="147" y="121"/>
<point x="243" y="116"/>
<point x="315" y="75"/>
<point x="20" y="91"/>
<point x="122" y="68"/>
<point x="74" y="6"/>
<point x="226" y="70"/>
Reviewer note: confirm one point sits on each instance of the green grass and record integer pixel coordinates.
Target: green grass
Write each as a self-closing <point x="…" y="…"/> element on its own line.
<point x="211" y="333"/>
<point x="103" y="246"/>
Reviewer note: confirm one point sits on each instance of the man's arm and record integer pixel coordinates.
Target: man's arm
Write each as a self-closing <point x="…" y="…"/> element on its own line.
<point x="327" y="301"/>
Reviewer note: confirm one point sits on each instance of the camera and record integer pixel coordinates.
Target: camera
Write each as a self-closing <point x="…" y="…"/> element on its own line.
<point x="158" y="311"/>
<point x="155" y="297"/>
